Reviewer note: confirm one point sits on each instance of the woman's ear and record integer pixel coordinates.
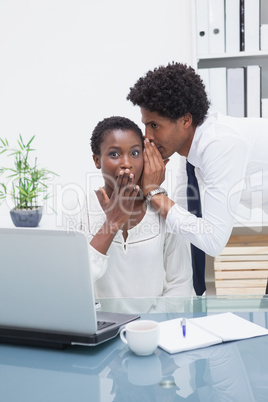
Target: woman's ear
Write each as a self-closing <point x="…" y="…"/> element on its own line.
<point x="96" y="160"/>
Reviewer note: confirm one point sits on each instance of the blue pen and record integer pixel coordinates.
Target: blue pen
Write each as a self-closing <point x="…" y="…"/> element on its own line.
<point x="183" y="325"/>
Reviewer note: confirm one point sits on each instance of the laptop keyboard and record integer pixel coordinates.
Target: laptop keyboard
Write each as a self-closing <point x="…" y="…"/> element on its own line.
<point x="104" y="324"/>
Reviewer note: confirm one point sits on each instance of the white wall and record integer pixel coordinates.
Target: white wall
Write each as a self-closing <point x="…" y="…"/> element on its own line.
<point x="66" y="64"/>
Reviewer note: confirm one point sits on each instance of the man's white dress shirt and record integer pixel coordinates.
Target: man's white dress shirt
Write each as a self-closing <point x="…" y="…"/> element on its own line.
<point x="231" y="159"/>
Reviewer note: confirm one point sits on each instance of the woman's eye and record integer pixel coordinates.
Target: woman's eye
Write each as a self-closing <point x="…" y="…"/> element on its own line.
<point x="113" y="154"/>
<point x="136" y="153"/>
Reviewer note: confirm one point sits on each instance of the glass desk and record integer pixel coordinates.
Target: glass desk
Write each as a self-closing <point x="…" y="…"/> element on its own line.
<point x="186" y="305"/>
<point x="234" y="371"/>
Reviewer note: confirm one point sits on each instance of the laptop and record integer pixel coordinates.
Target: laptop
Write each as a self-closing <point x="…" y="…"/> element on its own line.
<point x="46" y="291"/>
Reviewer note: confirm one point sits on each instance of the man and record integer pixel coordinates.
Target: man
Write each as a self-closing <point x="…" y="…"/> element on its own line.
<point x="229" y="154"/>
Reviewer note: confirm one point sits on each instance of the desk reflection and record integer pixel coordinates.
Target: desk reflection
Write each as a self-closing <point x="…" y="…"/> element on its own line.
<point x="233" y="372"/>
<point x="216" y="374"/>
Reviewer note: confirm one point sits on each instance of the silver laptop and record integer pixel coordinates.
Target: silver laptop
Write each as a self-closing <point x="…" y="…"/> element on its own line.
<point x="46" y="291"/>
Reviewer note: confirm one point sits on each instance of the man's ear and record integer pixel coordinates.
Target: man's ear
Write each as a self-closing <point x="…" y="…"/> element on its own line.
<point x="187" y="120"/>
<point x="96" y="160"/>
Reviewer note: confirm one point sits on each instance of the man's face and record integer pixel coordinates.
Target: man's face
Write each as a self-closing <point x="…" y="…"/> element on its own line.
<point x="169" y="136"/>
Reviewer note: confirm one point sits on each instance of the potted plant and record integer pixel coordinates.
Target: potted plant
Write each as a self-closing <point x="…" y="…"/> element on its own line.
<point x="25" y="183"/>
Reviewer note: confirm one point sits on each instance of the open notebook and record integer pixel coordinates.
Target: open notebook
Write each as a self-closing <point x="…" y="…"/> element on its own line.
<point x="206" y="331"/>
<point x="46" y="290"/>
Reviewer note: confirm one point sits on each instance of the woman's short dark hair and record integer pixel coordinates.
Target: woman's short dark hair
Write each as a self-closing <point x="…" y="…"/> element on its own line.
<point x="172" y="91"/>
<point x="109" y="124"/>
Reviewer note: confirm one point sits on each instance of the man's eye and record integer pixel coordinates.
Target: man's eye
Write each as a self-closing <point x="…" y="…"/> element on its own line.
<point x="154" y="125"/>
<point x="135" y="153"/>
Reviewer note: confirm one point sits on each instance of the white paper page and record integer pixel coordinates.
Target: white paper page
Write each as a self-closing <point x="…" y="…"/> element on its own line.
<point x="173" y="341"/>
<point x="230" y="327"/>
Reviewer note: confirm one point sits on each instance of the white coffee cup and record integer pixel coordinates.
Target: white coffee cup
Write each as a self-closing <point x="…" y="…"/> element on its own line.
<point x="141" y="336"/>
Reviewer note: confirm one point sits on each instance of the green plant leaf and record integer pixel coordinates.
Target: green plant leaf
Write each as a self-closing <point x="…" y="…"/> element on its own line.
<point x="21" y="145"/>
<point x="30" y="142"/>
<point x="27" y="181"/>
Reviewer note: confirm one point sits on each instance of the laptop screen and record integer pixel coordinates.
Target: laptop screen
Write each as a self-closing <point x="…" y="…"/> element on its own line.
<point x="45" y="281"/>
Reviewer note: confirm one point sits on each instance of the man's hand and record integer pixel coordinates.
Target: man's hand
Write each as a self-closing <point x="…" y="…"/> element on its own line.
<point x="154" y="168"/>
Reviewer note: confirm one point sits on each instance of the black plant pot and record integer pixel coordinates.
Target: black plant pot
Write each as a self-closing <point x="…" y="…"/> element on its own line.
<point x="26" y="217"/>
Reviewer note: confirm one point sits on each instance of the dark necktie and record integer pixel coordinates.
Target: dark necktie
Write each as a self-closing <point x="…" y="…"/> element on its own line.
<point x="198" y="256"/>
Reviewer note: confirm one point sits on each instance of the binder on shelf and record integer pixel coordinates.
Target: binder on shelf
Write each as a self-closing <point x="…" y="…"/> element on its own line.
<point x="216" y="27"/>
<point x="235" y="92"/>
<point x="202" y="17"/>
<point x="232" y="26"/>
<point x="264" y="37"/>
<point x="253" y="91"/>
<point x="242" y="25"/>
<point x="252" y="25"/>
<point x="264" y="103"/>
<point x="204" y="74"/>
<point x="217" y="89"/>
<point x="214" y="80"/>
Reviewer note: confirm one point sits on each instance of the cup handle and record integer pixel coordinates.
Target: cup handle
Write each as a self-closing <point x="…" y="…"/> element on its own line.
<point x="122" y="336"/>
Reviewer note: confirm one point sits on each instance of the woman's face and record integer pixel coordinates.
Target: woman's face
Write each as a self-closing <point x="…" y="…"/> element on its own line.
<point x="120" y="150"/>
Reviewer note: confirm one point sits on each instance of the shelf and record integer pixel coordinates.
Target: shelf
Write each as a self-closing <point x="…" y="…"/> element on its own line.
<point x="260" y="53"/>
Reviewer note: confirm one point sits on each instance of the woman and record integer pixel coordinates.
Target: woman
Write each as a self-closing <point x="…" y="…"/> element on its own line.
<point x="131" y="254"/>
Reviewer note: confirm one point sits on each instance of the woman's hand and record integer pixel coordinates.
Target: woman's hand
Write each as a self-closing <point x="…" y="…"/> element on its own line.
<point x="154" y="168"/>
<point x="119" y="207"/>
